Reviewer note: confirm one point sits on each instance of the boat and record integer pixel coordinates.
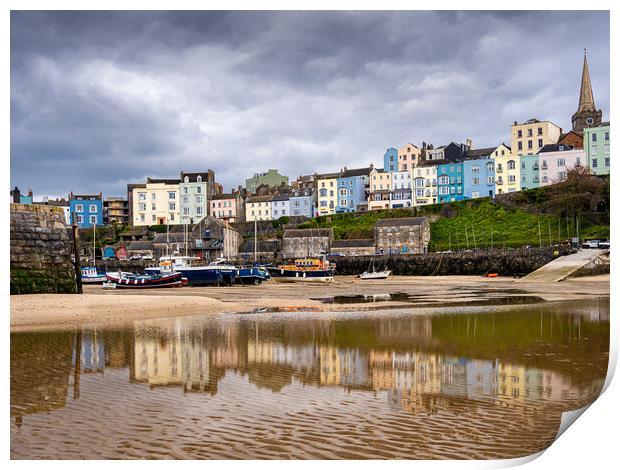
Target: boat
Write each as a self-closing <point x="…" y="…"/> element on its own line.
<point x="143" y="281"/>
<point x="91" y="276"/>
<point x="304" y="269"/>
<point x="252" y="275"/>
<point x="375" y="274"/>
<point x="217" y="273"/>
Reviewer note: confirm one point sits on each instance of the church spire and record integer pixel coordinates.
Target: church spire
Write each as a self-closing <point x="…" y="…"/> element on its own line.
<point x="586" y="97"/>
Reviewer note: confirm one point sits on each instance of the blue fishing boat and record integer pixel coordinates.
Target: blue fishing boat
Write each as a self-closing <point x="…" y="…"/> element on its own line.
<point x="216" y="273"/>
<point x="252" y="275"/>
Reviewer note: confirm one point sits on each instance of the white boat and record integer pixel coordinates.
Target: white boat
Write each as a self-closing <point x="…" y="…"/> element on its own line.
<point x="376" y="274"/>
<point x="91" y="276"/>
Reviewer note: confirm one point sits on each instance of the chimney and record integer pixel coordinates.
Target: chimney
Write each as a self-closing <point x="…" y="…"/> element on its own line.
<point x="16" y="195"/>
<point x="30" y="192"/>
<point x="515" y="123"/>
<point x="371" y="166"/>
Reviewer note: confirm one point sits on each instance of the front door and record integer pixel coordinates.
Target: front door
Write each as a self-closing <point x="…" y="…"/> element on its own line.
<point x="161" y="220"/>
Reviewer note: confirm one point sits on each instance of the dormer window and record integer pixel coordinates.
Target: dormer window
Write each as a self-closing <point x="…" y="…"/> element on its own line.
<point x="186" y="179"/>
<point x="199" y="179"/>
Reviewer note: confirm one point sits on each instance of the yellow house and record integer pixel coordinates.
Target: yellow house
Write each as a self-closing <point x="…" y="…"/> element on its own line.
<point x="424" y="183"/>
<point x="528" y="138"/>
<point x="507" y="170"/>
<point x="380" y="188"/>
<point x="156" y="202"/>
<point x="327" y="195"/>
<point x="408" y="157"/>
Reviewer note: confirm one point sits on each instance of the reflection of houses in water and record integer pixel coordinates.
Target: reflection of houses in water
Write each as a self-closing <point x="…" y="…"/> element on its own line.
<point x="418" y="371"/>
<point x="354" y="369"/>
<point x="93" y="351"/>
<point x="407" y="328"/>
<point x="330" y="365"/>
<point x="454" y="376"/>
<point x="481" y="379"/>
<point x="173" y="359"/>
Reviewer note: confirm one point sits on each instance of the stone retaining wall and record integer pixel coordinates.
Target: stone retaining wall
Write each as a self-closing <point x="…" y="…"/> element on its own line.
<point x="40" y="251"/>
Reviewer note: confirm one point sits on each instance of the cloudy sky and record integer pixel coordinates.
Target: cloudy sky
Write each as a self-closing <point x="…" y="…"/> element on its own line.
<point x="102" y="99"/>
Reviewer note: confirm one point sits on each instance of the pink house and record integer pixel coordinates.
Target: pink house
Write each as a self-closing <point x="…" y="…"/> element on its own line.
<point x="228" y="207"/>
<point x="556" y="160"/>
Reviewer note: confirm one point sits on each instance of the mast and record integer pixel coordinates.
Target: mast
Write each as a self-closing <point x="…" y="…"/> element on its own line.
<point x="94" y="254"/>
<point x="255" y="239"/>
<point x="167" y="240"/>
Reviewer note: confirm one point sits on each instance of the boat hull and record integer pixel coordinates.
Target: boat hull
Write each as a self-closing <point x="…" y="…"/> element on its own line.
<point x="375" y="275"/>
<point x="146" y="281"/>
<point x="94" y="279"/>
<point x="252" y="276"/>
<point x="292" y="275"/>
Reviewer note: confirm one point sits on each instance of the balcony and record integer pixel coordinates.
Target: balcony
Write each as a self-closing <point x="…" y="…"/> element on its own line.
<point x="499" y="169"/>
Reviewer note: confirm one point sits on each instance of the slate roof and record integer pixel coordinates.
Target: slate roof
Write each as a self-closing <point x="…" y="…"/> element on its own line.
<point x="349" y="172"/>
<point x="555" y="148"/>
<point x="483" y="152"/>
<point x="215" y="197"/>
<point x="402" y="221"/>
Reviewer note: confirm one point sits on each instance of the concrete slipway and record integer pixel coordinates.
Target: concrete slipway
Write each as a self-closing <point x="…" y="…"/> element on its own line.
<point x="566" y="266"/>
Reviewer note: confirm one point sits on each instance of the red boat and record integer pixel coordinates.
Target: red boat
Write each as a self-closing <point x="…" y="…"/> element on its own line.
<point x="143" y="281"/>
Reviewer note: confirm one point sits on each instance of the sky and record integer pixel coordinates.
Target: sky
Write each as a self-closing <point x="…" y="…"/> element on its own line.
<point x="103" y="99"/>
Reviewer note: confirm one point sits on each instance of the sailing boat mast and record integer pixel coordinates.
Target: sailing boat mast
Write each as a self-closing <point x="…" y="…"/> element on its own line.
<point x="94" y="236"/>
<point x="255" y="239"/>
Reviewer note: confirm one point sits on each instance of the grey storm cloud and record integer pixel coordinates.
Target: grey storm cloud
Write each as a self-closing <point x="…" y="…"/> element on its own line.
<point x="102" y="99"/>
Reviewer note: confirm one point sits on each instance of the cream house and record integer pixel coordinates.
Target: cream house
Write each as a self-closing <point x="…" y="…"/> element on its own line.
<point x="156" y="202"/>
<point x="424" y="183"/>
<point x="380" y="188"/>
<point x="528" y="138"/>
<point x="507" y="170"/>
<point x="258" y="208"/>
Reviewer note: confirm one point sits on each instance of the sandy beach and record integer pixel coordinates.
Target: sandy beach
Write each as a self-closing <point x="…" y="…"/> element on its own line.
<point x="99" y="306"/>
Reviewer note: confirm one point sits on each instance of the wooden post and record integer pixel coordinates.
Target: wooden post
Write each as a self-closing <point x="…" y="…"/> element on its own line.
<point x="76" y="253"/>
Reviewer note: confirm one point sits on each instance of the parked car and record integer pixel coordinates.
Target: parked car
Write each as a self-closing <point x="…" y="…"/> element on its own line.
<point x="590" y="244"/>
<point x="604" y="245"/>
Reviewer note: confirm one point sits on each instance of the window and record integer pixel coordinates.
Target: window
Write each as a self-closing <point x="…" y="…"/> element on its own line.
<point x="153" y="206"/>
<point x="561" y="162"/>
<point x="444" y="190"/>
<point x="520" y="145"/>
<point x="142" y="206"/>
<point x="172" y="206"/>
<point x="519" y="133"/>
<point x="185" y="199"/>
<point x="350" y="182"/>
<point x="475" y="194"/>
<point x="199" y="179"/>
<point x="561" y="175"/>
<point x="186" y="211"/>
<point x="141" y="196"/>
<point x="343" y="202"/>
<point x="343" y="192"/>
<point x="172" y="195"/>
<point x="475" y="169"/>
<point x="185" y="189"/>
<point x="80" y="219"/>
<point x="512" y="178"/>
<point x="529" y="144"/>
<point x="475" y="180"/>
<point x="540" y="131"/>
<point x="490" y="180"/>
<point x="607" y="161"/>
<point x="529" y="132"/>
<point x="331" y="194"/>
<point x="198" y="199"/>
<point x="172" y="217"/>
<point x="199" y="189"/>
<point x="444" y="180"/>
<point x="523" y="164"/>
<point x="540" y="142"/>
<point x="141" y="217"/>
<point x="607" y="136"/>
<point x="511" y="164"/>
<point x="153" y="218"/>
<point x="79" y="208"/>
<point x="153" y="196"/>
<point x="594" y="163"/>
<point x="186" y="179"/>
<point x="593" y="137"/>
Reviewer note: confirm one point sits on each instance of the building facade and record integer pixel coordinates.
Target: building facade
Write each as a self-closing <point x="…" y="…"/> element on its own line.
<point x="530" y="171"/>
<point x="555" y="161"/>
<point x="327" y="193"/>
<point x="194" y="204"/>
<point x="407" y="235"/>
<point x="390" y="160"/>
<point x="479" y="177"/>
<point x="450" y="182"/>
<point x="401" y="194"/>
<point x="306" y="243"/>
<point x="270" y="178"/>
<point x="156" y="202"/>
<point x="88" y="209"/>
<point x="596" y="148"/>
<point x="424" y="180"/>
<point x="258" y="208"/>
<point x="507" y="170"/>
<point x="408" y="157"/>
<point x="352" y="186"/>
<point x="280" y="206"/>
<point x="380" y="189"/>
<point x="303" y="202"/>
<point x="115" y="211"/>
<point x="529" y="137"/>
<point x="228" y="207"/>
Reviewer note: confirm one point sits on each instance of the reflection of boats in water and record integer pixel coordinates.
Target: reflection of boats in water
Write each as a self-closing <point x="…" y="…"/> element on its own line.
<point x="143" y="281"/>
<point x="304" y="269"/>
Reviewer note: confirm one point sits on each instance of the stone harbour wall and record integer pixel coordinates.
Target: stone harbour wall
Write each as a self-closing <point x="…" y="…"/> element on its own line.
<point x="40" y="251"/>
<point x="514" y="262"/>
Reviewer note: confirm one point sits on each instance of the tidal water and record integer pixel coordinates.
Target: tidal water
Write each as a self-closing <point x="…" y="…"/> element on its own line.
<point x="478" y="383"/>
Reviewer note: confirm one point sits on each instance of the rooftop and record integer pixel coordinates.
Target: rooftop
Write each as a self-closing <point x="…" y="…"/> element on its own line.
<point x="223" y="196"/>
<point x="401" y="221"/>
<point x="555" y="148"/>
<point x="483" y="152"/>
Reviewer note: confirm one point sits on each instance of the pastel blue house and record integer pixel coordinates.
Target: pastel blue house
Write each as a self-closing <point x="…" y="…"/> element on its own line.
<point x="390" y="160"/>
<point x="303" y="203"/>
<point x="352" y="186"/>
<point x="530" y="171"/>
<point x="479" y="178"/>
<point x="450" y="182"/>
<point x="87" y="208"/>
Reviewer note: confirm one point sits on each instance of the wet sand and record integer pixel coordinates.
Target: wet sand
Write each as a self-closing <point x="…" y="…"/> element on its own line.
<point x="115" y="307"/>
